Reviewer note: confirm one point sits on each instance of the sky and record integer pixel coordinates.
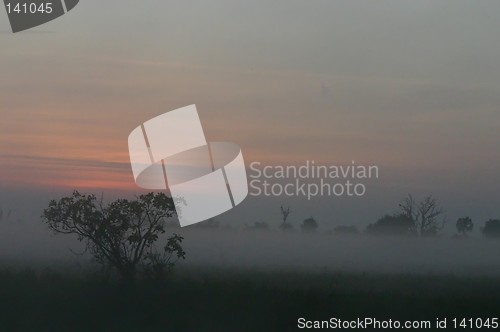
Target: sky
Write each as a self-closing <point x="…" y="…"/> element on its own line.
<point x="410" y="86"/>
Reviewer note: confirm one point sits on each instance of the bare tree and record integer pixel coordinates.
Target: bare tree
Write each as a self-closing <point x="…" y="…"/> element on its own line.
<point x="425" y="215"/>
<point x="408" y="207"/>
<point x="285" y="213"/>
<point x="120" y="235"/>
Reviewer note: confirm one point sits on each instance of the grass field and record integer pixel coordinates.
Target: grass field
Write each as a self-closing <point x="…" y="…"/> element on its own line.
<point x="204" y="299"/>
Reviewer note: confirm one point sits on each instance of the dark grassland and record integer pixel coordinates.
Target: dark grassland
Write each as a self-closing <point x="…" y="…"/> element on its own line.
<point x="205" y="299"/>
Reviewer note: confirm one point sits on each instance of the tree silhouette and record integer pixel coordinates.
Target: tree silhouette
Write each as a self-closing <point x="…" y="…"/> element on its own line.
<point x="424" y="215"/>
<point x="309" y="225"/>
<point x="464" y="225"/>
<point x="491" y="228"/>
<point x="120" y="235"/>
<point x="285" y="213"/>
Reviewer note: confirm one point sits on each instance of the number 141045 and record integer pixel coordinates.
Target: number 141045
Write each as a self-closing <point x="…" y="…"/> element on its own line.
<point x="29" y="8"/>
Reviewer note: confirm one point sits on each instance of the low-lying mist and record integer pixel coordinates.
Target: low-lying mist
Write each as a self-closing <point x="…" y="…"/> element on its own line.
<point x="330" y="253"/>
<point x="277" y="250"/>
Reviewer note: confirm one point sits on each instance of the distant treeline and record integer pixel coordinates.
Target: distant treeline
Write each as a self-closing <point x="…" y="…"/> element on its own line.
<point x="414" y="218"/>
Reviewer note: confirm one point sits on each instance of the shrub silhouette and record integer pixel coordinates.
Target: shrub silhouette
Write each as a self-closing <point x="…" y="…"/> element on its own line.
<point x="491" y="228"/>
<point x="309" y="225"/>
<point x="464" y="225"/>
<point x="122" y="234"/>
<point x="398" y="224"/>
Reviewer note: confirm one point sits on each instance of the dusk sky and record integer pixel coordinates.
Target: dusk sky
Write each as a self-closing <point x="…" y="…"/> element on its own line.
<point x="413" y="87"/>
